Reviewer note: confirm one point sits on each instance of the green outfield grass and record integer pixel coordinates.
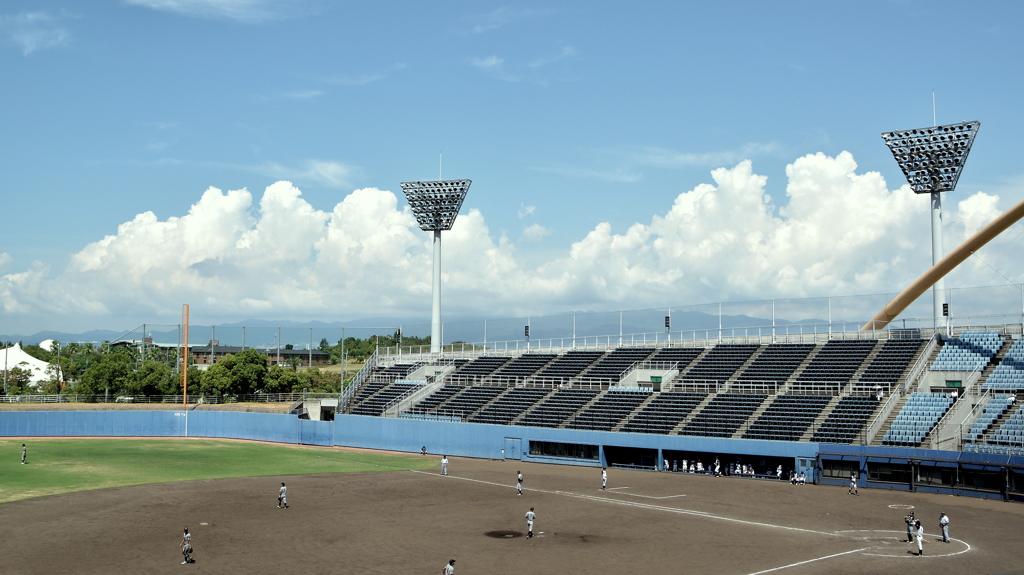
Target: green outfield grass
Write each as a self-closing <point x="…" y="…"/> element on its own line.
<point x="57" y="465"/>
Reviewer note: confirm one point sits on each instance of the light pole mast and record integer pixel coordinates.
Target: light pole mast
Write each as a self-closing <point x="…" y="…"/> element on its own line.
<point x="932" y="159"/>
<point x="436" y="205"/>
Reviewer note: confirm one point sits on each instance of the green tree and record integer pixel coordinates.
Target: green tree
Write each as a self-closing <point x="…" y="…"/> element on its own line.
<point x="113" y="373"/>
<point x="216" y="380"/>
<point x="281" y="380"/>
<point x="19" y="381"/>
<point x="153" y="378"/>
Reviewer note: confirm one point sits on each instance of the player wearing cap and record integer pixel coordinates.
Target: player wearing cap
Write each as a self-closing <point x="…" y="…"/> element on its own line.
<point x="282" y="497"/>
<point x="519" y="482"/>
<point x="530" y="516"/>
<point x="186" y="547"/>
<point x="944" y="525"/>
<point x="909" y="520"/>
<point x="449" y="569"/>
<point x="604" y="477"/>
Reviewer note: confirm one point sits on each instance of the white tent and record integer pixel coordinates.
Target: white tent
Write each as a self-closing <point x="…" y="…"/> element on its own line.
<point x="14" y="356"/>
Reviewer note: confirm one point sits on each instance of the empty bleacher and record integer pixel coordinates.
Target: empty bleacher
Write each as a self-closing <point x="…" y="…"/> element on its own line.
<point x="718" y="364"/>
<point x="478" y="369"/>
<point x="1011" y="432"/>
<point x="614" y="363"/>
<point x="523" y="366"/>
<point x="557" y="407"/>
<point x="675" y="357"/>
<point x="994" y="409"/>
<point x="430" y="403"/>
<point x="833" y="366"/>
<point x="889" y="364"/>
<point x="971" y="351"/>
<point x="569" y="365"/>
<point x="787" y="417"/>
<point x="470" y="399"/>
<point x="919" y="415"/>
<point x="510" y="405"/>
<point x="724" y="414"/>
<point x="664" y="412"/>
<point x="609" y="409"/>
<point x="378" y="402"/>
<point x="1009" y="374"/>
<point x="845" y="422"/>
<point x="775" y="364"/>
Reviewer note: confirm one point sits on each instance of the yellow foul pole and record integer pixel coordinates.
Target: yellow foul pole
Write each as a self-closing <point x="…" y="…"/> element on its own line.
<point x="945" y="265"/>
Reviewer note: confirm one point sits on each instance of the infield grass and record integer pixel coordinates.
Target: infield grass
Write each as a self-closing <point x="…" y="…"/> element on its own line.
<point x="59" y="465"/>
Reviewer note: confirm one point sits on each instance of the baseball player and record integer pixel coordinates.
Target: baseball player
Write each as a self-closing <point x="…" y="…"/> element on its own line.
<point x="604" y="477"/>
<point x="530" y="516"/>
<point x="24" y="454"/>
<point x="944" y="525"/>
<point x="449" y="569"/>
<point x="920" y="537"/>
<point x="186" y="547"/>
<point x="853" y="484"/>
<point x="519" y="482"/>
<point x="282" y="497"/>
<point x="909" y="520"/>
<point x="444" y="465"/>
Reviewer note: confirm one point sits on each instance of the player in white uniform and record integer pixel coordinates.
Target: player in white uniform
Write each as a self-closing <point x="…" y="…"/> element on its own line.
<point x="186" y="547"/>
<point x="519" y="482"/>
<point x="853" y="484"/>
<point x="282" y="497"/>
<point x="530" y="516"/>
<point x="24" y="454"/>
<point x="944" y="525"/>
<point x="444" y="465"/>
<point x="449" y="569"/>
<point x="604" y="477"/>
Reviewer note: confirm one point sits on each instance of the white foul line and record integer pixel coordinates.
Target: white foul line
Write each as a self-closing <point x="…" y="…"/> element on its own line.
<point x="808" y="561"/>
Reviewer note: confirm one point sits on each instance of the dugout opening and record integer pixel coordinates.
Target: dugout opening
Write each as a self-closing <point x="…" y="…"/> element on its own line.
<point x="640" y="457"/>
<point x="731" y="463"/>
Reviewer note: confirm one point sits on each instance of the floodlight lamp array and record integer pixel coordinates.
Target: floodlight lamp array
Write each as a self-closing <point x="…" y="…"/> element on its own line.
<point x="436" y="204"/>
<point x="932" y="158"/>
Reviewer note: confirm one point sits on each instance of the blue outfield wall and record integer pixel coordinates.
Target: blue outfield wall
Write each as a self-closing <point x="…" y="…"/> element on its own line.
<point x="488" y="441"/>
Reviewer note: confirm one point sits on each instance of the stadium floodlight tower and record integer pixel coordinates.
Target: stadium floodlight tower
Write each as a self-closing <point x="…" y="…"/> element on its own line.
<point x="932" y="159"/>
<point x="435" y="205"/>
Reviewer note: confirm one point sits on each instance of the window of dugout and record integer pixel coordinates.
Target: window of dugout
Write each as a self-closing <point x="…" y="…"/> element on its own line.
<point x="889" y="471"/>
<point x="839" y="469"/>
<point x="569" y="450"/>
<point x="936" y="474"/>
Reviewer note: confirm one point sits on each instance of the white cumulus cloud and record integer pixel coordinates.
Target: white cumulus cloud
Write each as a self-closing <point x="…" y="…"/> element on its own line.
<point x="839" y="232"/>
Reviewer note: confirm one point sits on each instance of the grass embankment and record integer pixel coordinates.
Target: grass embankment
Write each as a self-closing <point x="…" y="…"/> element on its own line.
<point x="57" y="465"/>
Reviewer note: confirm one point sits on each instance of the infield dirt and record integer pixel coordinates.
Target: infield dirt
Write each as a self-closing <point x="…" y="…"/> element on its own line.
<point x="413" y="522"/>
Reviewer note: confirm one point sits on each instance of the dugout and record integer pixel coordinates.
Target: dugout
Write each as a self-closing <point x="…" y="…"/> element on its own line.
<point x="764" y="465"/>
<point x="637" y="457"/>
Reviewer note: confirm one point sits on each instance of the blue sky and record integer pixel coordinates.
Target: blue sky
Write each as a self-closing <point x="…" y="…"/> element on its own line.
<point x="591" y="131"/>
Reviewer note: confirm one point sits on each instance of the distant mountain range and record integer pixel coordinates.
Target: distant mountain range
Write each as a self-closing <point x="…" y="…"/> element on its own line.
<point x="262" y="332"/>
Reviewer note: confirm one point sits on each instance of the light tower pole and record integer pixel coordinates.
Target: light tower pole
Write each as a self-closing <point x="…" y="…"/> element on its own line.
<point x="932" y="159"/>
<point x="435" y="205"/>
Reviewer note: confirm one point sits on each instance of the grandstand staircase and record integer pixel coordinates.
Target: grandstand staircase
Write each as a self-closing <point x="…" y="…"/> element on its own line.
<point x="738" y="434"/>
<point x="693" y="413"/>
<point x="821" y="418"/>
<point x="739" y="371"/>
<point x="868" y="359"/>
<point x="996" y="360"/>
<point x="632" y="414"/>
<point x="784" y="388"/>
<point x="486" y="405"/>
<point x="877" y="440"/>
<point x="582" y="408"/>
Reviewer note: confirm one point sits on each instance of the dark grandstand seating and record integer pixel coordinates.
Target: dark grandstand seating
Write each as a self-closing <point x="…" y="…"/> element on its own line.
<point x="479" y="368"/>
<point x="397" y="371"/>
<point x="787" y="417"/>
<point x="378" y="402"/>
<point x="440" y="395"/>
<point x="557" y="407"/>
<point x="664" y="412"/>
<point x="719" y="364"/>
<point x="724" y="414"/>
<point x="889" y="364"/>
<point x="847" y="420"/>
<point x="510" y="405"/>
<point x="470" y="399"/>
<point x="776" y="363"/>
<point x="370" y="388"/>
<point x="680" y="357"/>
<point x="608" y="410"/>
<point x="524" y="366"/>
<point x="569" y="364"/>
<point x="834" y="364"/>
<point x="612" y="365"/>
